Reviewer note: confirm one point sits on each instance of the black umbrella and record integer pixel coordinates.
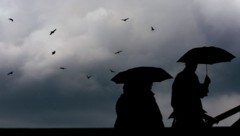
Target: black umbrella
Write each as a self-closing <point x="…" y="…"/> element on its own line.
<point x="149" y="74"/>
<point x="206" y="55"/>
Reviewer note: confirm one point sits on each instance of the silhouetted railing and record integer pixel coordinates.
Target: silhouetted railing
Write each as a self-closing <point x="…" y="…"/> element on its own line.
<point x="226" y="115"/>
<point x="236" y="124"/>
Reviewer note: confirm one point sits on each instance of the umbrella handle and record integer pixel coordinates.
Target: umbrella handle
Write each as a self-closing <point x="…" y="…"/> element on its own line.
<point x="206" y="69"/>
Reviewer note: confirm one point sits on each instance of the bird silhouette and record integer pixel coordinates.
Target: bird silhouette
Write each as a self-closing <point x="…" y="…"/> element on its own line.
<point x="89" y="76"/>
<point x="125" y="19"/>
<point x="118" y="52"/>
<point x="10" y="73"/>
<point x="112" y="71"/>
<point x="152" y="28"/>
<point x="10" y="19"/>
<point x="54" y="52"/>
<point x="53" y="31"/>
<point x="63" y="68"/>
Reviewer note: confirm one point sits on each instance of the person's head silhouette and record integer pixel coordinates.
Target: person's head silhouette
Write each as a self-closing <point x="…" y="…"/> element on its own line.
<point x="140" y="86"/>
<point x="191" y="67"/>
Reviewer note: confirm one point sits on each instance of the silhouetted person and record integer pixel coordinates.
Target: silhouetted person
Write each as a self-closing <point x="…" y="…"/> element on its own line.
<point x="137" y="109"/>
<point x="187" y="92"/>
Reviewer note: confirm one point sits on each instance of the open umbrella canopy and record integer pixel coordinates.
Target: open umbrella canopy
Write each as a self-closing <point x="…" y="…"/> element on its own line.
<point x="206" y="55"/>
<point x="141" y="74"/>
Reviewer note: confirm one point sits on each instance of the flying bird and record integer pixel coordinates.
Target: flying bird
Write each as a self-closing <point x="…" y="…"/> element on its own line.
<point x="118" y="52"/>
<point x="89" y="76"/>
<point x="152" y="28"/>
<point x="112" y="71"/>
<point x="54" y="52"/>
<point x="10" y="19"/>
<point x="63" y="68"/>
<point x="10" y="73"/>
<point x="125" y="19"/>
<point x="53" y="31"/>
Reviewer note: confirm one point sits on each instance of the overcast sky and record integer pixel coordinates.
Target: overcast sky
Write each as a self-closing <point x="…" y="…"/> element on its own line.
<point x="89" y="32"/>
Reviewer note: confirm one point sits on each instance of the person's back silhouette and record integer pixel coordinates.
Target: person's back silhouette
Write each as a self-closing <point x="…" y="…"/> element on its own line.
<point x="137" y="108"/>
<point x="187" y="92"/>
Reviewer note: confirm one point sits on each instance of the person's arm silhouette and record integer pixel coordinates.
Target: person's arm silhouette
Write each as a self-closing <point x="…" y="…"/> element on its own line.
<point x="204" y="89"/>
<point x="207" y="80"/>
<point x="209" y="121"/>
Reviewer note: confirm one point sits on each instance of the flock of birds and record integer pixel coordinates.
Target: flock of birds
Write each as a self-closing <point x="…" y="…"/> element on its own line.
<point x="64" y="68"/>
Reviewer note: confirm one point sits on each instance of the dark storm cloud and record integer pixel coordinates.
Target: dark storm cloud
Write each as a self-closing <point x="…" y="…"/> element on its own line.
<point x="60" y="104"/>
<point x="39" y="94"/>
